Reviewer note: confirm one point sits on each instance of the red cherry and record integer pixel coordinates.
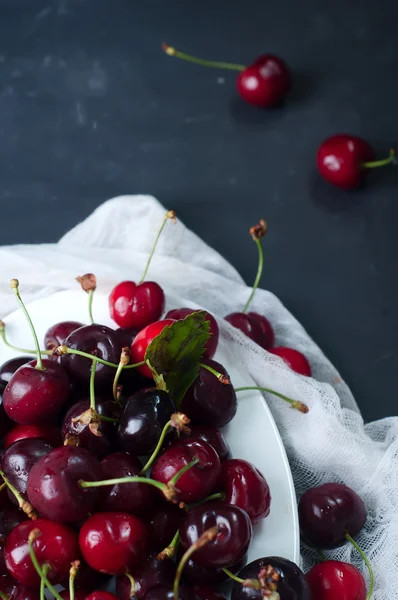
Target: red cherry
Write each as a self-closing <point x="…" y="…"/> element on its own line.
<point x="136" y="305"/>
<point x="332" y="579"/>
<point x="101" y="595"/>
<point x="56" y="335"/>
<point x="266" y="82"/>
<point x="211" y="344"/>
<point x="113" y="542"/>
<point x="142" y="341"/>
<point x="56" y="546"/>
<point x="16" y="591"/>
<point x="255" y="326"/>
<point x="246" y="487"/>
<point x="294" y="359"/>
<point x="46" y="432"/>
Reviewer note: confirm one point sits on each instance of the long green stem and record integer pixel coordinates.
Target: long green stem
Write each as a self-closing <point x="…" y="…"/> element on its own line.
<point x="66" y="350"/>
<point x="258" y="276"/>
<point x="16" y="348"/>
<point x="159" y="445"/>
<point x="296" y="404"/>
<point x="90" y="305"/>
<point x="232" y="576"/>
<point x="32" y="537"/>
<point x="204" y="539"/>
<point x="200" y="61"/>
<point x="380" y="163"/>
<point x="118" y="480"/>
<point x="169" y="215"/>
<point x="45" y="569"/>
<point x="92" y="384"/>
<point x="367" y="563"/>
<point x="14" y="284"/>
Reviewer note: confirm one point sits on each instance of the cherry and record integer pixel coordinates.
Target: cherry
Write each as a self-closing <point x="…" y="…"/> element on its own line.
<point x="151" y="573"/>
<point x="101" y="595"/>
<point x="328" y="513"/>
<point x="162" y="525"/>
<point x="207" y="593"/>
<point x="35" y="395"/>
<point x="291" y="584"/>
<point x="18" y="461"/>
<point x="53" y="484"/>
<point x="194" y="574"/>
<point x="164" y="592"/>
<point x="333" y="579"/>
<point x="10" y="517"/>
<point x="199" y="481"/>
<point x="214" y="437"/>
<point x="126" y="336"/>
<point x="56" y="335"/>
<point x="56" y="546"/>
<point x="294" y="359"/>
<point x="345" y="160"/>
<point x="48" y="433"/>
<point x="142" y="341"/>
<point x="143" y="418"/>
<point x="246" y="487"/>
<point x="5" y="421"/>
<point x="136" y="498"/>
<point x="212" y="342"/>
<point x="112" y="542"/>
<point x="16" y="591"/>
<point x="8" y="368"/>
<point x="81" y="432"/>
<point x="208" y="401"/>
<point x="78" y="595"/>
<point x="86" y="578"/>
<point x="255" y="326"/>
<point x="231" y="543"/>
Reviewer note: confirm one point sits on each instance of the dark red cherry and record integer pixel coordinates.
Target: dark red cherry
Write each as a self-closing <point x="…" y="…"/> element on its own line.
<point x="214" y="437"/>
<point x="127" y="336"/>
<point x="8" y="368"/>
<point x="136" y="305"/>
<point x="18" y="461"/>
<point x="47" y="432"/>
<point x="207" y="593"/>
<point x="255" y="326"/>
<point x="80" y="433"/>
<point x="35" y="396"/>
<point x="141" y="423"/>
<point x="53" y="484"/>
<point x="328" y="512"/>
<point x="16" y="591"/>
<point x="164" y="592"/>
<point x="112" y="542"/>
<point x="212" y="343"/>
<point x="101" y="595"/>
<point x="10" y="517"/>
<point x="5" y="422"/>
<point x="208" y="401"/>
<point x="246" y="487"/>
<point x="340" y="160"/>
<point x="56" y="546"/>
<point x="97" y="340"/>
<point x="87" y="579"/>
<point x="200" y="480"/>
<point x="135" y="498"/>
<point x="232" y="541"/>
<point x="266" y="82"/>
<point x="333" y="579"/>
<point x="163" y="525"/>
<point x="194" y="574"/>
<point x="294" y="359"/>
<point x="142" y="341"/>
<point x="151" y="573"/>
<point x="291" y="584"/>
<point x="56" y="335"/>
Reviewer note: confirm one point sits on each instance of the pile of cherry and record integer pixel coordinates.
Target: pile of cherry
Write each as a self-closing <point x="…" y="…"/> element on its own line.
<point x="105" y="474"/>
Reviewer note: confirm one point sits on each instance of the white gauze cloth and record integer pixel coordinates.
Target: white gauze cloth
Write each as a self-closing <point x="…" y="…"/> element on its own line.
<point x="329" y="443"/>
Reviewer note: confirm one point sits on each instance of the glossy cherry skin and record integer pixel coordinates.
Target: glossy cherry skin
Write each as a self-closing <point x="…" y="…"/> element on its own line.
<point x="53" y="484"/>
<point x="142" y="341"/>
<point x="35" y="396"/>
<point x="340" y="160"/>
<point x="266" y="82"/>
<point x="294" y="359"/>
<point x="56" y="546"/>
<point x="232" y="542"/>
<point x="18" y="461"/>
<point x="16" y="591"/>
<point x="56" y="335"/>
<point x="10" y="517"/>
<point x="291" y="585"/>
<point x="80" y="433"/>
<point x="333" y="579"/>
<point x="255" y="326"/>
<point x="5" y="422"/>
<point x="135" y="498"/>
<point x="212" y="343"/>
<point x="8" y="368"/>
<point x="151" y="573"/>
<point x="194" y="574"/>
<point x="97" y="340"/>
<point x="208" y="401"/>
<point x="214" y="437"/>
<point x="328" y="512"/>
<point x="136" y="305"/>
<point x="101" y="595"/>
<point x="164" y="592"/>
<point x="47" y="432"/>
<point x="141" y="423"/>
<point x="163" y="524"/>
<point x="200" y="480"/>
<point x="246" y="487"/>
<point x="127" y="335"/>
<point x="112" y="542"/>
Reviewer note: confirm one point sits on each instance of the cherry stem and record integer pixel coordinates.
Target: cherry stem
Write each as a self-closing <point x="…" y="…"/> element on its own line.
<point x="65" y="350"/>
<point x="170" y="550"/>
<point x="232" y="576"/>
<point x="157" y="449"/>
<point x="90" y="312"/>
<point x="72" y="575"/>
<point x="16" y="348"/>
<point x="169" y="215"/>
<point x="46" y="569"/>
<point x="367" y="563"/>
<point x="92" y="384"/>
<point x="107" y="419"/>
<point x="380" y="163"/>
<point x="3" y="486"/>
<point x="200" y="61"/>
<point x="132" y="585"/>
<point x="221" y="378"/>
<point x="203" y="540"/>
<point x="182" y="471"/>
<point x="296" y="404"/>
<point x="4" y="596"/>
<point x="34" y="534"/>
<point x="124" y="361"/>
<point x="216" y="496"/>
<point x="23" y="504"/>
<point x="14" y="284"/>
<point x="258" y="276"/>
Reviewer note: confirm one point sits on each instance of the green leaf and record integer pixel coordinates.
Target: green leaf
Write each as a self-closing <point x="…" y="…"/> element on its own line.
<point x="176" y="352"/>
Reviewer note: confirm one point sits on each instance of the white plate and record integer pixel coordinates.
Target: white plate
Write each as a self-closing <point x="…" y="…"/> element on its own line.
<point x="252" y="435"/>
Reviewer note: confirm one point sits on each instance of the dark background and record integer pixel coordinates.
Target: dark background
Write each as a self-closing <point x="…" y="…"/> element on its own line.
<point x="91" y="108"/>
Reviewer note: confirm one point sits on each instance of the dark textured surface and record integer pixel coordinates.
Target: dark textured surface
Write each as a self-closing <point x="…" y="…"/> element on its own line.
<point x="91" y="108"/>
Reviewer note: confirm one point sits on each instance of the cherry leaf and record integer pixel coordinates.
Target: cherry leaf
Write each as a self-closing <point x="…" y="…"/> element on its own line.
<point x="176" y="352"/>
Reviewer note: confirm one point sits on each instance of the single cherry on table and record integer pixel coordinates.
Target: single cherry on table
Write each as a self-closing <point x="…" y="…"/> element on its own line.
<point x="293" y="359"/>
